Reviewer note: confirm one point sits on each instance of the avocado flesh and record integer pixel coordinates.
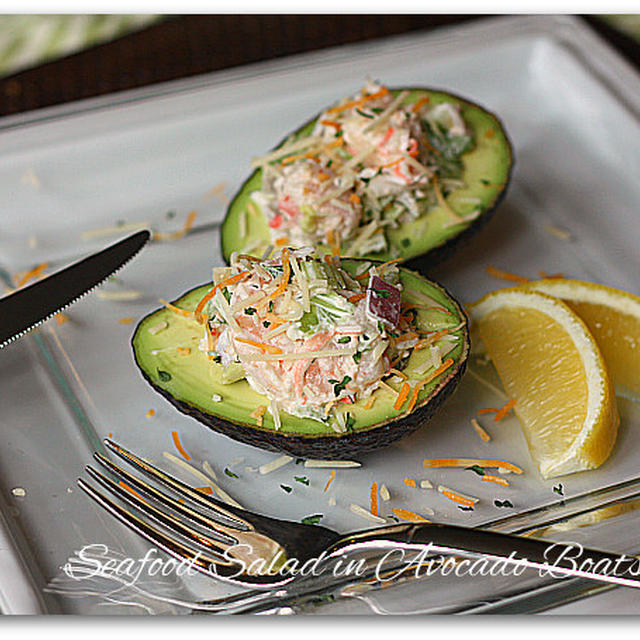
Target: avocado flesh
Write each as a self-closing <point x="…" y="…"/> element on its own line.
<point x="486" y="174"/>
<point x="191" y="381"/>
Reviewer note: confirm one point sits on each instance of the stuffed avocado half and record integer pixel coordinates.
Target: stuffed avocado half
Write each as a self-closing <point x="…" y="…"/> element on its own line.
<point x="315" y="358"/>
<point x="383" y="174"/>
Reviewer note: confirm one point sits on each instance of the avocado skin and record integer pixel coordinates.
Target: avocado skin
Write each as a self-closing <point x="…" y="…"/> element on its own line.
<point x="327" y="447"/>
<point x="438" y="253"/>
<point x="336" y="447"/>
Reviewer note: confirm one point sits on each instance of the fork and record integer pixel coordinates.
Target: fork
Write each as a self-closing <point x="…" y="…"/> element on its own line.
<point x="253" y="550"/>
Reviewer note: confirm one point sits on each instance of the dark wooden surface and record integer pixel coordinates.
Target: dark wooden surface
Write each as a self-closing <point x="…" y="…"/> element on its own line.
<point x="181" y="46"/>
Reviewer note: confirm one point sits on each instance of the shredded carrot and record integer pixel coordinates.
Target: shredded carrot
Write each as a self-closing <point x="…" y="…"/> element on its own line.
<point x="280" y="242"/>
<point x="393" y="163"/>
<point x="206" y="490"/>
<point x="408" y="515"/>
<point x="398" y="373"/>
<point x="179" y="447"/>
<point x="171" y="307"/>
<point x="225" y="283"/>
<point x="389" y="262"/>
<point x="387" y="136"/>
<point x="61" y="318"/>
<point x="416" y="390"/>
<point x="370" y="403"/>
<point x="338" y="142"/>
<point x="374" y="498"/>
<point x="150" y="413"/>
<point x="127" y="320"/>
<point x="484" y="436"/>
<point x="334" y="242"/>
<point x="191" y="218"/>
<point x="402" y="396"/>
<point x="332" y="476"/>
<point x="184" y="351"/>
<point x="418" y="105"/>
<point x="286" y="272"/>
<point x="456" y="497"/>
<point x="500" y="415"/>
<point x="497" y="479"/>
<point x="505" y="275"/>
<point x="362" y="276"/>
<point x="481" y="412"/>
<point x="356" y="103"/>
<point x="331" y="123"/>
<point x="430" y="463"/>
<point x="30" y="275"/>
<point x="550" y="276"/>
<point x="425" y="342"/>
<point x="410" y="482"/>
<point x="356" y="298"/>
<point x="258" y="414"/>
<point x="264" y="347"/>
<point x="124" y="485"/>
<point x="354" y="198"/>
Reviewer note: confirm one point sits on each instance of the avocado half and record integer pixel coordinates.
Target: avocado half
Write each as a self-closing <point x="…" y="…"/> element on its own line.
<point x="486" y="174"/>
<point x="193" y="383"/>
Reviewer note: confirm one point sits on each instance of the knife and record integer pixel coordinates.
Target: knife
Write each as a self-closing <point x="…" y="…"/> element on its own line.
<point x="29" y="307"/>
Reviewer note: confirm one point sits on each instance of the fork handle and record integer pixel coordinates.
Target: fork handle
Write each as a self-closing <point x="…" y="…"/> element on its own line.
<point x="552" y="559"/>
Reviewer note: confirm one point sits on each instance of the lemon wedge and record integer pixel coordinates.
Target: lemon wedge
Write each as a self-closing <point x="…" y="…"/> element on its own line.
<point x="550" y="363"/>
<point x="613" y="317"/>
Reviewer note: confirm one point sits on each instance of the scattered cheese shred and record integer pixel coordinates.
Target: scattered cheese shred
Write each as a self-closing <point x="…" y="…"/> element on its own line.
<point x="258" y="414"/>
<point x="425" y="484"/>
<point x="127" y="320"/>
<point x="374" y="498"/>
<point x="338" y="464"/>
<point x="456" y="496"/>
<point x="558" y="232"/>
<point x="274" y="464"/>
<point x="405" y="514"/>
<point x="410" y="482"/>
<point x="332" y="476"/>
<point x="384" y="493"/>
<point x="361" y="511"/>
<point x="505" y="275"/>
<point x="497" y="479"/>
<point x="188" y="225"/>
<point x="125" y="294"/>
<point x="484" y="436"/>
<point x="158" y="327"/>
<point x="178" y="445"/>
<point x="398" y="373"/>
<point x="31" y="274"/>
<point x="430" y="463"/>
<point x="108" y="231"/>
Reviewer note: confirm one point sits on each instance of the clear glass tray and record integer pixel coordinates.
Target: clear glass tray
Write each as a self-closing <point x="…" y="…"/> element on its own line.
<point x="150" y="157"/>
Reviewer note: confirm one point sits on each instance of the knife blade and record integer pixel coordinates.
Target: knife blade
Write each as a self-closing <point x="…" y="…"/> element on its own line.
<point x="25" y="309"/>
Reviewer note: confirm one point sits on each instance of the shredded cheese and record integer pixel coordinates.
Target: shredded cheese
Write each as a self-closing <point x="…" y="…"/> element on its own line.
<point x="360" y="511"/>
<point x="338" y="464"/>
<point x="274" y="464"/>
<point x="384" y="493"/>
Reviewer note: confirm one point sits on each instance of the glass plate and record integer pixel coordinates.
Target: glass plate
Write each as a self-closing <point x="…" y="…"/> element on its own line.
<point x="149" y="158"/>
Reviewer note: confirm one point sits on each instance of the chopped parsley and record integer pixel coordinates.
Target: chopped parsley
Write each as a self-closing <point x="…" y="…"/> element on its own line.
<point x="302" y="480"/>
<point x="299" y="460"/>
<point x="462" y="508"/>
<point x="559" y="489"/>
<point x="357" y="356"/>
<point x="315" y="519"/>
<point x="503" y="503"/>
<point x="249" y="311"/>
<point x="171" y="214"/>
<point x="350" y="422"/>
<point x="344" y="340"/>
<point x="266" y="324"/>
<point x="164" y="375"/>
<point x="363" y="114"/>
<point x="381" y="326"/>
<point x="338" y="387"/>
<point x="271" y="305"/>
<point x="405" y="242"/>
<point x="230" y="473"/>
<point x="286" y="488"/>
<point x="476" y="469"/>
<point x="485" y="182"/>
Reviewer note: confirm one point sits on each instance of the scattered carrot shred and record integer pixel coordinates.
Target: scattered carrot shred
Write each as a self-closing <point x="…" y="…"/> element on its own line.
<point x="416" y="390"/>
<point x="356" y="298"/>
<point x="261" y="345"/>
<point x="393" y="163"/>
<point x="179" y="447"/>
<point x="258" y="414"/>
<point x="206" y="490"/>
<point x="31" y="274"/>
<point x="482" y="412"/>
<point x="110" y="435"/>
<point x="127" y="320"/>
<point x="332" y="476"/>
<point x="212" y="292"/>
<point x="388" y="263"/>
<point x="402" y="396"/>
<point x="356" y="103"/>
<point x="374" y="498"/>
<point x="184" y="351"/>
<point x="405" y="514"/>
<point x="418" y="105"/>
<point x="550" y="276"/>
<point x="280" y="242"/>
<point x="503" y="412"/>
<point x="61" y="318"/>
<point x="331" y="123"/>
<point x="284" y="281"/>
<point x="505" y="275"/>
<point x="370" y="403"/>
<point x="354" y="198"/>
<point x="150" y="413"/>
<point x="484" y="436"/>
<point x="189" y="222"/>
<point x="456" y="497"/>
<point x="425" y="342"/>
<point x="497" y="479"/>
<point x="430" y="463"/>
<point x="410" y="482"/>
<point x="171" y="307"/>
